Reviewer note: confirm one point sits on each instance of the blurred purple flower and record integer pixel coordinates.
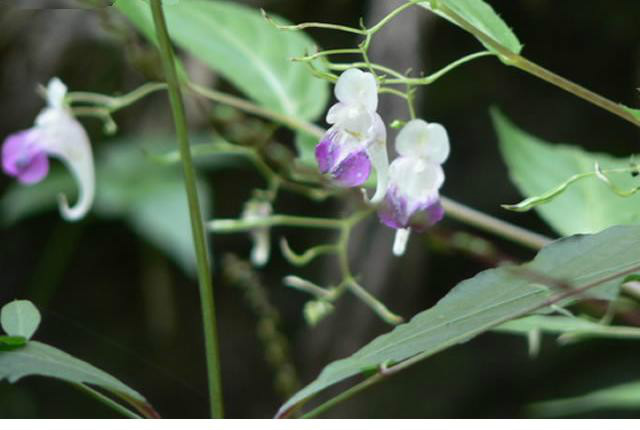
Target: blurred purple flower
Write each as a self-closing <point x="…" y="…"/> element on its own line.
<point x="56" y="133"/>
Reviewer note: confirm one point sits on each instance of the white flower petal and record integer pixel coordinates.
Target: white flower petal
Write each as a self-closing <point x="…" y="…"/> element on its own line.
<point x="336" y="112"/>
<point x="377" y="151"/>
<point x="438" y="145"/>
<point x="416" y="178"/>
<point x="65" y="138"/>
<point x="420" y="139"/>
<point x="355" y="87"/>
<point x="351" y="118"/>
<point x="56" y="91"/>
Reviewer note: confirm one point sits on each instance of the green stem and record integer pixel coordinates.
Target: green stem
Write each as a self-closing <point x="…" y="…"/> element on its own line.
<point x="488" y="223"/>
<point x="426" y="80"/>
<point x="319" y="54"/>
<point x="376" y="305"/>
<point x="107" y="401"/>
<point x="575" y="89"/>
<point x="239" y="225"/>
<point x="312" y="25"/>
<point x="115" y="103"/>
<point x="514" y="59"/>
<point x="249" y="107"/>
<point x="387" y="90"/>
<point x="380" y="68"/>
<point x="197" y="223"/>
<point x="307" y="256"/>
<point x="384" y="21"/>
<point x="347" y="394"/>
<point x="348" y="280"/>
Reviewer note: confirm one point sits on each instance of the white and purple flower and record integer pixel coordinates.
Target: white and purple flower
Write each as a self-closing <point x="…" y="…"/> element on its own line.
<point x="356" y="142"/>
<point x="412" y="201"/>
<point x="56" y="133"/>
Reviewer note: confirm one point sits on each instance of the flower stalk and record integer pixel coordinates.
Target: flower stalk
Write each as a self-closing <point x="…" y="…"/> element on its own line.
<point x="197" y="223"/>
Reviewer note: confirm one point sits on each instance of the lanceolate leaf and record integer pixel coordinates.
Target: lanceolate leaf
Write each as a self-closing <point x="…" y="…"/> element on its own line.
<point x="491" y="298"/>
<point x="482" y="17"/>
<point x="585" y="206"/>
<point x="620" y="397"/>
<point x="246" y="49"/>
<point x="43" y="360"/>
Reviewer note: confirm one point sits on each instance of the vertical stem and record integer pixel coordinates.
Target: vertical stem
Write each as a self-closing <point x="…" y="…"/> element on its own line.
<point x="197" y="223"/>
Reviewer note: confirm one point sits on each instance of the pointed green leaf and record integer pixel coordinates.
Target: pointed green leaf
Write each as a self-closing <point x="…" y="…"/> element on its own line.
<point x="620" y="397"/>
<point x="20" y="318"/>
<point x="246" y="49"/>
<point x="482" y="17"/>
<point x="586" y="206"/>
<point x="491" y="298"/>
<point x="43" y="360"/>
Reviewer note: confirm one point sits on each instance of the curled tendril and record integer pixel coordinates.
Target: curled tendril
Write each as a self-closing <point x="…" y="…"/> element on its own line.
<point x="307" y="256"/>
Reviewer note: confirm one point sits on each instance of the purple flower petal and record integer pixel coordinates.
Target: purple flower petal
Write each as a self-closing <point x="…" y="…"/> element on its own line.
<point x="393" y="210"/>
<point x="427" y="216"/>
<point x="353" y="170"/>
<point x="326" y="152"/>
<point x="348" y="170"/>
<point x="396" y="211"/>
<point x="23" y="158"/>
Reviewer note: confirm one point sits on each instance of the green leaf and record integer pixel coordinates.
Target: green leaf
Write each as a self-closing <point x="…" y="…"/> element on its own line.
<point x="620" y="397"/>
<point x="490" y="298"/>
<point x="242" y="46"/>
<point x="587" y="206"/>
<point x="482" y="17"/>
<point x="40" y="359"/>
<point x="147" y="195"/>
<point x="20" y="318"/>
<point x="8" y="343"/>
<point x="576" y="327"/>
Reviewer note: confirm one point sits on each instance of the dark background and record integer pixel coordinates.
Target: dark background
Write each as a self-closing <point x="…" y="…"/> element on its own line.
<point x="117" y="302"/>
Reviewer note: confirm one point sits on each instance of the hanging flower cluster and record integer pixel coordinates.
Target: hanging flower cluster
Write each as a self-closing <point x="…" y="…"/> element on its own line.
<point x="408" y="189"/>
<point x="56" y="133"/>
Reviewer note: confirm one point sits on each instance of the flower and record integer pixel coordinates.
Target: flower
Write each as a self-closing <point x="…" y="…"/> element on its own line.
<point x="356" y="142"/>
<point x="412" y="201"/>
<point x="56" y="133"/>
<point x="258" y="209"/>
